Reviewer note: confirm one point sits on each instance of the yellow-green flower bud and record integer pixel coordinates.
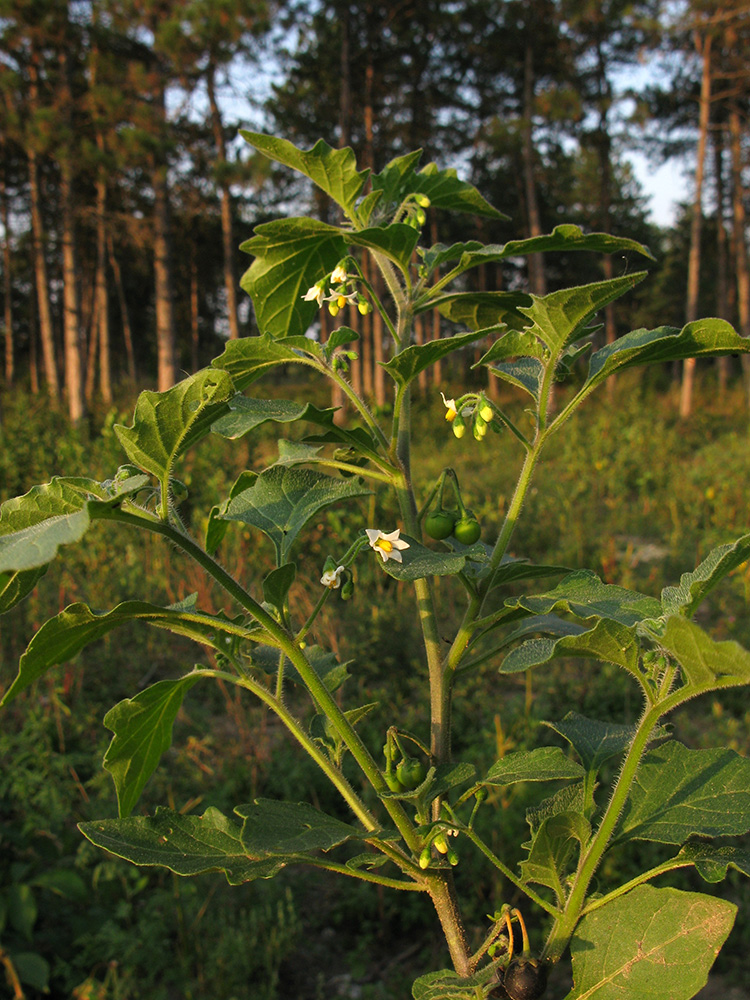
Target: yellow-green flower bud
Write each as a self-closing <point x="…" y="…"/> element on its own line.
<point x="422" y="200"/>
<point x="485" y="410"/>
<point x="425" y="858"/>
<point x="459" y="426"/>
<point x="480" y="427"/>
<point x="333" y="309"/>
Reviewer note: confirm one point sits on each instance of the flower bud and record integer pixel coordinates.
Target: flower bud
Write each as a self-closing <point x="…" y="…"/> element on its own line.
<point x="459" y="426"/>
<point x="333" y="309"/>
<point x="422" y="200"/>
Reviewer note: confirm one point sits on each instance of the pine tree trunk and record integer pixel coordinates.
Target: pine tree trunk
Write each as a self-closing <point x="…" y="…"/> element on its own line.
<point x="7" y="278"/>
<point x="72" y="334"/>
<point x="537" y="276"/>
<point x="227" y="235"/>
<point x="740" y="245"/>
<point x="127" y="333"/>
<point x="165" y="326"/>
<point x="703" y="46"/>
<point x="722" y="304"/>
<point x="44" y="313"/>
<point x="101" y="329"/>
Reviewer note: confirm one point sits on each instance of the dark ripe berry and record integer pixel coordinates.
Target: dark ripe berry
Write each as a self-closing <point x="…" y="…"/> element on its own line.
<point x="525" y="980"/>
<point x="498" y="993"/>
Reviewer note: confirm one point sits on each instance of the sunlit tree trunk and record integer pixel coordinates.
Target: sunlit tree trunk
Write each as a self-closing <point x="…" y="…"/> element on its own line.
<point x="127" y="332"/>
<point x="740" y="244"/>
<point x="537" y="276"/>
<point x="703" y="46"/>
<point x="101" y="329"/>
<point x="722" y="304"/>
<point x="7" y="281"/>
<point x="72" y="333"/>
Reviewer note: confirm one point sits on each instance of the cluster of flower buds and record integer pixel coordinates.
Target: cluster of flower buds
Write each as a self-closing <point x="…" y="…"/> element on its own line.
<point x="337" y="289"/>
<point x="415" y="210"/>
<point x="472" y="408"/>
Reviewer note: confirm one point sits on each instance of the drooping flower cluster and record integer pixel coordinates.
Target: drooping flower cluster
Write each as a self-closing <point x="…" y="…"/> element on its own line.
<point x="473" y="406"/>
<point x="338" y="289"/>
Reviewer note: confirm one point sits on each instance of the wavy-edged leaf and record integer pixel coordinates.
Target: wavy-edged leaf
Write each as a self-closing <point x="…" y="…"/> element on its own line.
<point x="397" y="241"/>
<point x="277" y="584"/>
<point x="284" y="498"/>
<point x="142" y="728"/>
<point x="35" y="525"/>
<point x="512" y="569"/>
<point x="583" y="594"/>
<point x="568" y="799"/>
<point x="594" y="741"/>
<point x="540" y="764"/>
<point x="653" y="944"/>
<point x="63" y="637"/>
<point x="482" y="310"/>
<point x="281" y="828"/>
<point x="166" y="424"/>
<point x="694" y="586"/>
<point x="297" y="452"/>
<point x="514" y="344"/>
<point x="561" y="318"/>
<point x="553" y="851"/>
<point x="14" y="586"/>
<point x="405" y="367"/>
<point x="445" y="190"/>
<point x="390" y="183"/>
<point x="333" y="170"/>
<point x="290" y="256"/>
<point x="524" y="373"/>
<point x="709" y="337"/>
<point x="565" y="237"/>
<point x="246" y="413"/>
<point x="608" y="641"/>
<point x="706" y="665"/>
<point x="680" y="793"/>
<point x="186" y="845"/>
<point x="419" y="562"/>
<point x="713" y="861"/>
<point x="447" y="985"/>
<point x="249" y="358"/>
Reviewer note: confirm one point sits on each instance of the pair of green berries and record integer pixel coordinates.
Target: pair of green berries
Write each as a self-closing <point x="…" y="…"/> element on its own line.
<point x="440" y="524"/>
<point x="409" y="774"/>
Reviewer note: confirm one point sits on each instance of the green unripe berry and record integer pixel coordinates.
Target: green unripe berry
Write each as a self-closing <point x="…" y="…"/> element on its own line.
<point x="467" y="530"/>
<point x="411" y="773"/>
<point x="439" y="524"/>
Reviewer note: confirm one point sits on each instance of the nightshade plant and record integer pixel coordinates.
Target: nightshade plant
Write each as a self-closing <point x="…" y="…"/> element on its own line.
<point x="410" y="806"/>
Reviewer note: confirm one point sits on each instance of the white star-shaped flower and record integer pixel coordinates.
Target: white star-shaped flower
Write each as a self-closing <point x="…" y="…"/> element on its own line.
<point x="450" y="405"/>
<point x="338" y="275"/>
<point x="314" y="293"/>
<point x="386" y="546"/>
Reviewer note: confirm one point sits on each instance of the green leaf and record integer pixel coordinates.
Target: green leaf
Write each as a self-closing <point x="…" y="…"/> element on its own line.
<point x="245" y="414"/>
<point x="511" y="570"/>
<point x="566" y="237"/>
<point x="249" y="358"/>
<point x="35" y="525"/>
<point x="514" y="344"/>
<point x="592" y="740"/>
<point x="481" y="310"/>
<point x="680" y="793"/>
<point x="276" y="585"/>
<point x="61" y="638"/>
<point x="32" y="969"/>
<point x="186" y="845"/>
<point x="644" y="347"/>
<point x="540" y="764"/>
<point x="561" y="318"/>
<point x="62" y="882"/>
<point x="166" y="424"/>
<point x="445" y="190"/>
<point x="568" y="799"/>
<point x="712" y="862"/>
<point x="525" y="373"/>
<point x="405" y="367"/>
<point x="653" y="944"/>
<point x="397" y="242"/>
<point x="283" y="499"/>
<point x="706" y="665"/>
<point x="291" y="255"/>
<point x="419" y="562"/>
<point x="583" y="594"/>
<point x="333" y="170"/>
<point x="553" y="851"/>
<point x="142" y="728"/>
<point x="608" y="641"/>
<point x="325" y="664"/>
<point x="280" y="828"/>
<point x="391" y="183"/>
<point x="297" y="452"/>
<point x="14" y="586"/>
<point x="694" y="586"/>
<point x="22" y="908"/>
<point x="447" y="985"/>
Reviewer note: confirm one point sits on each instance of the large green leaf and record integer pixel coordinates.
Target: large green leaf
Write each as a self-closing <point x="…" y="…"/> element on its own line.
<point x="564" y="238"/>
<point x="390" y="183"/>
<point x="706" y="665"/>
<point x="142" y="728"/>
<point x="709" y="337"/>
<point x="283" y="499"/>
<point x="608" y="641"/>
<point x="553" y="851"/>
<point x="514" y="344"/>
<point x="186" y="845"/>
<point x="540" y="764"/>
<point x="525" y="373"/>
<point x="712" y="861"/>
<point x="333" y="170"/>
<point x="480" y="310"/>
<point x="14" y="586"/>
<point x="447" y="985"/>
<point x="405" y="367"/>
<point x="694" y="586"/>
<point x="652" y="944"/>
<point x="592" y="740"/>
<point x="35" y="525"/>
<point x="397" y="241"/>
<point x="272" y="828"/>
<point x="680" y="793"/>
<point x="61" y="638"/>
<point x="166" y="424"/>
<point x="290" y="256"/>
<point x="419" y="562"/>
<point x="249" y="358"/>
<point x="245" y="414"/>
<point x="561" y="318"/>
<point x="583" y="594"/>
